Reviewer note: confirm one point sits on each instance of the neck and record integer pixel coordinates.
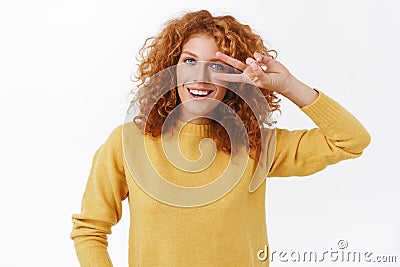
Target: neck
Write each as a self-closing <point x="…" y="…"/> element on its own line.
<point x="194" y="119"/>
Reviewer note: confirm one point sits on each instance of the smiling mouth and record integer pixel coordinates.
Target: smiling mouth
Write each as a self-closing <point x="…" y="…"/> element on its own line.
<point x="198" y="93"/>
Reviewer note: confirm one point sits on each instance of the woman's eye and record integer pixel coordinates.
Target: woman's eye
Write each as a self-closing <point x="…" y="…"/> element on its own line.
<point x="217" y="66"/>
<point x="190" y="61"/>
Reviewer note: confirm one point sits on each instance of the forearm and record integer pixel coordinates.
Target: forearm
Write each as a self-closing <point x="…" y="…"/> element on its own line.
<point x="338" y="124"/>
<point x="90" y="240"/>
<point x="92" y="253"/>
<point x="339" y="136"/>
<point x="298" y="92"/>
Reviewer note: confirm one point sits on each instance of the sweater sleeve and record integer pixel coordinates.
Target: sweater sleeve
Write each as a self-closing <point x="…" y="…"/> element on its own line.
<point x="339" y="136"/>
<point x="101" y="203"/>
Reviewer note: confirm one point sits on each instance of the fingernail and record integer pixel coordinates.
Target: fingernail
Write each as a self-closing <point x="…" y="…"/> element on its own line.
<point x="254" y="66"/>
<point x="264" y="68"/>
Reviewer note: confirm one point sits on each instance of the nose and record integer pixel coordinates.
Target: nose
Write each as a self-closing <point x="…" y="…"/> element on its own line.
<point x="202" y="73"/>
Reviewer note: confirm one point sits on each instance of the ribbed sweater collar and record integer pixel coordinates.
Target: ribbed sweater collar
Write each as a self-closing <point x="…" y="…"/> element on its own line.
<point x="199" y="130"/>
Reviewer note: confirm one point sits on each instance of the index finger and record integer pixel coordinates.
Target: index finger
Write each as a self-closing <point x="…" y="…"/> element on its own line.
<point x="231" y="61"/>
<point x="229" y="77"/>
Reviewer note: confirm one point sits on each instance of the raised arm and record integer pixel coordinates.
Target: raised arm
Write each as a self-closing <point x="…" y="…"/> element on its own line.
<point x="101" y="204"/>
<point x="339" y="136"/>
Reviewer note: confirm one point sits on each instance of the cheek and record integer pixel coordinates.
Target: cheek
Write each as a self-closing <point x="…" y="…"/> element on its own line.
<point x="221" y="92"/>
<point x="181" y="93"/>
<point x="183" y="74"/>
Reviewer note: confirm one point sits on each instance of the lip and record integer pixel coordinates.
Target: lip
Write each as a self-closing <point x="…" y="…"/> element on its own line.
<point x="210" y="95"/>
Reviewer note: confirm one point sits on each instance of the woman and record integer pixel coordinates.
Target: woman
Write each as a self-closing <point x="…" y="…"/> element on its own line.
<point x="193" y="203"/>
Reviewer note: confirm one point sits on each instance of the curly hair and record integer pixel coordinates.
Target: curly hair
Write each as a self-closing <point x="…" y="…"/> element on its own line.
<point x="163" y="51"/>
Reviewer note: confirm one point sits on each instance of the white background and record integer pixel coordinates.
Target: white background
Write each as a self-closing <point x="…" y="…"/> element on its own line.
<point x="65" y="70"/>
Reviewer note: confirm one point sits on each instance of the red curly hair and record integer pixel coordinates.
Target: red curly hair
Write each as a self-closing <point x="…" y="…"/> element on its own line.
<point x="163" y="51"/>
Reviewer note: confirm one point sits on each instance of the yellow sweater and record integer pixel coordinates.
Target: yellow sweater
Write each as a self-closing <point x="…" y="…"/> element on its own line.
<point x="227" y="232"/>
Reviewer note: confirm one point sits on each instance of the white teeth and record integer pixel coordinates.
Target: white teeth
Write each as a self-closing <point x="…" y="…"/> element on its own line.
<point x="197" y="92"/>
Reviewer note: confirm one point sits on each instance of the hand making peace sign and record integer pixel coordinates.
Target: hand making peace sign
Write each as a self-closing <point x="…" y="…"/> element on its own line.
<point x="267" y="73"/>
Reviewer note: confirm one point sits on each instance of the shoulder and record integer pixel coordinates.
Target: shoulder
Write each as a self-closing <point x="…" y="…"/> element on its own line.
<point x="121" y="134"/>
<point x="113" y="144"/>
<point x="115" y="136"/>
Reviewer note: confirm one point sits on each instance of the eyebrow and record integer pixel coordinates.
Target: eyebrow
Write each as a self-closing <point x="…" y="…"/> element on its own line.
<point x="194" y="55"/>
